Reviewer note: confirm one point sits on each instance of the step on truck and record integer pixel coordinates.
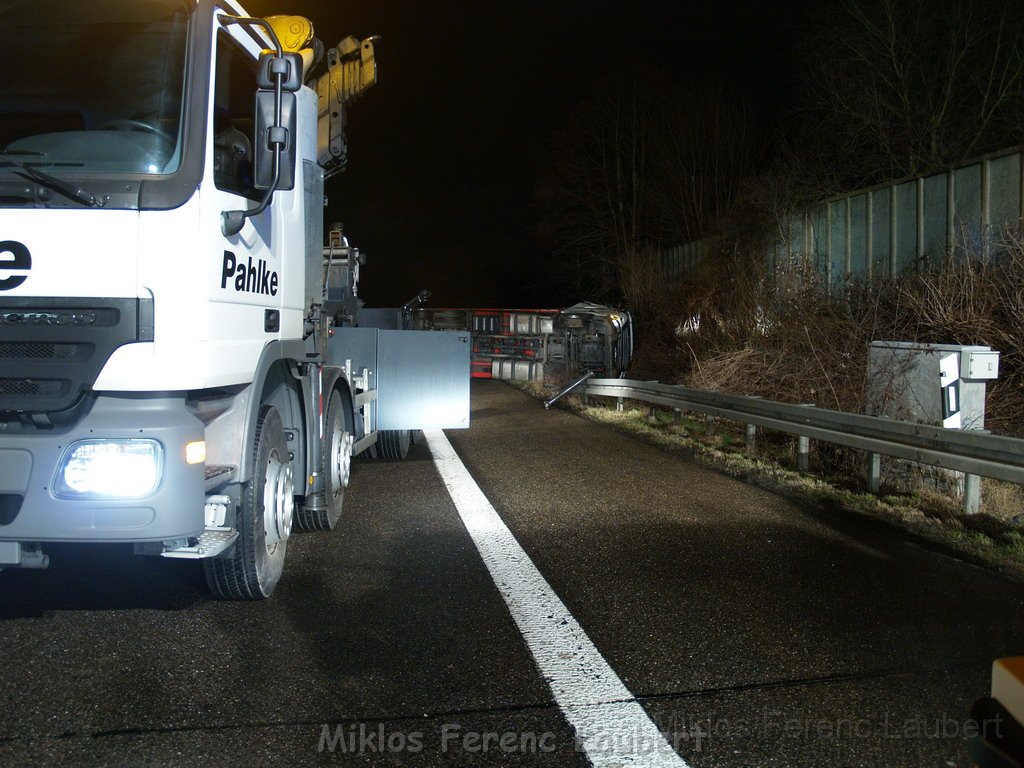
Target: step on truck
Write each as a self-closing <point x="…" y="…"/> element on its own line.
<point x="182" y="363"/>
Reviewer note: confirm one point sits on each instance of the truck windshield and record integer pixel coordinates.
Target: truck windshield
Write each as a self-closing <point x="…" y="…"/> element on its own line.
<point x="93" y="87"/>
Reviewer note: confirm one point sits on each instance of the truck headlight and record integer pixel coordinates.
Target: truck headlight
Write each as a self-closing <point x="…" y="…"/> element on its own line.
<point x="113" y="469"/>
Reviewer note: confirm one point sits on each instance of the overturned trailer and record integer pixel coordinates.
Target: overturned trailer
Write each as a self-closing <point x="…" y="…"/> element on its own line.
<point x="548" y="345"/>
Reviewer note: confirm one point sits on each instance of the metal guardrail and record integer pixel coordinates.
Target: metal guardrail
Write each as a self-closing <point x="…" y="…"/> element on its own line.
<point x="974" y="452"/>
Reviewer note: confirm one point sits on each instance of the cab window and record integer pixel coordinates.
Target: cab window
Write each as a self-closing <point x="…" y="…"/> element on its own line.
<point x="233" y="118"/>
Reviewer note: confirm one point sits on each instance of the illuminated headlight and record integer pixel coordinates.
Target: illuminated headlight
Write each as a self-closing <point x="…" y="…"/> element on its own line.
<point x="109" y="469"/>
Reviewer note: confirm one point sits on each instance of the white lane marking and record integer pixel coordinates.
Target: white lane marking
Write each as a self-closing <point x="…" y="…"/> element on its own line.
<point x="611" y="727"/>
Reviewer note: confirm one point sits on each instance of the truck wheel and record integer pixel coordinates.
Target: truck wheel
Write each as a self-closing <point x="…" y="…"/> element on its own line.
<point x="264" y="519"/>
<point x="335" y="467"/>
<point x="393" y="444"/>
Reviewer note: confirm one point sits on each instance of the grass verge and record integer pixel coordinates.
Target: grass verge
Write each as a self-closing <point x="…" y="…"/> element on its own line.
<point x="992" y="540"/>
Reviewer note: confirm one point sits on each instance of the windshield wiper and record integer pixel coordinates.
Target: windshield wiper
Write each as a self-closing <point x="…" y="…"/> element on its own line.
<point x="65" y="188"/>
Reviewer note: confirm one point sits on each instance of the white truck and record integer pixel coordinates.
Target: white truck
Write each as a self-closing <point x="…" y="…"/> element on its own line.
<point x="182" y="363"/>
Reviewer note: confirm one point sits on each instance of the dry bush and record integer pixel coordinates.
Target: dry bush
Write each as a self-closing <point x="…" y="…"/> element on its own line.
<point x="975" y="300"/>
<point x="796" y="342"/>
<point x="788" y="336"/>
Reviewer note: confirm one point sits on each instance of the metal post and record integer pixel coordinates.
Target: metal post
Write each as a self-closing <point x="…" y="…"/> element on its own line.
<point x="678" y="418"/>
<point x="1020" y="173"/>
<point x="803" y="448"/>
<point x="849" y="240"/>
<point x="709" y="426"/>
<point x="893" y="225"/>
<point x="874" y="472"/>
<point x="972" y="494"/>
<point x="950" y="214"/>
<point x="566" y="390"/>
<point x="808" y="235"/>
<point x="751" y="438"/>
<point x="919" y="266"/>
<point x="652" y="415"/>
<point x="829" y="278"/>
<point x="986" y="215"/>
<point x="869" y="236"/>
<point x="618" y="404"/>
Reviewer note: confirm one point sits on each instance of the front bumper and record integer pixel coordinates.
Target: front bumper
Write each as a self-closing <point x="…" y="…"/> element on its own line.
<point x="29" y="510"/>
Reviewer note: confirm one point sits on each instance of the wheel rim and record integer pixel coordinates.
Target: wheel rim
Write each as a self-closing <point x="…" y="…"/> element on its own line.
<point x="341" y="458"/>
<point x="278" y="503"/>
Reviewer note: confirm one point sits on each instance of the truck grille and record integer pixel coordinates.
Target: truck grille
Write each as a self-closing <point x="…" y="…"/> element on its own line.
<point x="36" y="351"/>
<point x="29" y="387"/>
<point x="52" y="350"/>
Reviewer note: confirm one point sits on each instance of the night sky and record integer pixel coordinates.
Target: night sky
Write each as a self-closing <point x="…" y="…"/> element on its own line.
<point x="445" y="152"/>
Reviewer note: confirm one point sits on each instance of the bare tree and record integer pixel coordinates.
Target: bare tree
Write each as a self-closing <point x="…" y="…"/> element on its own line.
<point x="897" y="87"/>
<point x="708" y="142"/>
<point x="594" y="197"/>
<point x="643" y="164"/>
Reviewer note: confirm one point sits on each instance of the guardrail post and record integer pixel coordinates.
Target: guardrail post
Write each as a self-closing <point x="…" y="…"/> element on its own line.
<point x="678" y="418"/>
<point x="709" y="426"/>
<point x="972" y="494"/>
<point x="803" y="448"/>
<point x="652" y="415"/>
<point x="751" y="438"/>
<point x="803" y="453"/>
<point x="874" y="472"/>
<point x="618" y="404"/>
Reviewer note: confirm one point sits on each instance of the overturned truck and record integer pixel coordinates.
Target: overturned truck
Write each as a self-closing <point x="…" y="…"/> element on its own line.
<point x="548" y="345"/>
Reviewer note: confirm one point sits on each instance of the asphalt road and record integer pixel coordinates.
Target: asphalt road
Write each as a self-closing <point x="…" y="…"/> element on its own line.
<point x="752" y="631"/>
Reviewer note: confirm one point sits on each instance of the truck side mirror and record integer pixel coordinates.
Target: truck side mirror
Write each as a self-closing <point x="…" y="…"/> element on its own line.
<point x="270" y="132"/>
<point x="276" y="119"/>
<point x="275" y="150"/>
<point x="288" y="64"/>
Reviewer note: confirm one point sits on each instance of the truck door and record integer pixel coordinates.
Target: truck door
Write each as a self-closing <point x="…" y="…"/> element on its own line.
<point x="246" y="275"/>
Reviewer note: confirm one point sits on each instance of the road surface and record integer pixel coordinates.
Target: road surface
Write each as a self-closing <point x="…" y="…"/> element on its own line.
<point x="748" y="630"/>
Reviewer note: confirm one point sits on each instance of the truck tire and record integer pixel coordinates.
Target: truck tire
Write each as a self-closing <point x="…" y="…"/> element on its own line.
<point x="264" y="519"/>
<point x="335" y="467"/>
<point x="393" y="444"/>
